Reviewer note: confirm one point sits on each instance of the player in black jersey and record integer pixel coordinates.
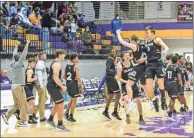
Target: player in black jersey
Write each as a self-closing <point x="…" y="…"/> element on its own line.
<point x="55" y="87"/>
<point x="139" y="56"/>
<point x="74" y="86"/>
<point x="173" y="84"/>
<point x="112" y="85"/>
<point x="184" y="78"/>
<point x="155" y="67"/>
<point x="30" y="79"/>
<point x="124" y="72"/>
<point x="168" y="60"/>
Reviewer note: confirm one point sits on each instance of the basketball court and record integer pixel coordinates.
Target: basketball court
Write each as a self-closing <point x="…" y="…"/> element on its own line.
<point x="91" y="122"/>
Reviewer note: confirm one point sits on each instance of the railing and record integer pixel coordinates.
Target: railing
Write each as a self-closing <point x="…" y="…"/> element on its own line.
<point x="43" y="40"/>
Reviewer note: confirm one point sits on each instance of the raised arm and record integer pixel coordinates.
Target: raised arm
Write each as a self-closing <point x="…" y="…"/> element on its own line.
<point x="130" y="45"/>
<point x="15" y="52"/>
<point x="24" y="54"/>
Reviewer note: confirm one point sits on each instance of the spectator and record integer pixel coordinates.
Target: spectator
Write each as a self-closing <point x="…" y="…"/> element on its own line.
<point x="87" y="40"/>
<point x="29" y="9"/>
<point x="46" y="19"/>
<point x="35" y="17"/>
<point x="116" y="24"/>
<point x="6" y="13"/>
<point x="55" y="25"/>
<point x="6" y="32"/>
<point x="72" y="11"/>
<point x="4" y="78"/>
<point x="87" y="37"/>
<point x="14" y="7"/>
<point x="74" y="27"/>
<point x="23" y="15"/>
<point x="62" y="9"/>
<point x="82" y="23"/>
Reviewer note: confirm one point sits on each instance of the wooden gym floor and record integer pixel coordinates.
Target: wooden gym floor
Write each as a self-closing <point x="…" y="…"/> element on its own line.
<point x="91" y="123"/>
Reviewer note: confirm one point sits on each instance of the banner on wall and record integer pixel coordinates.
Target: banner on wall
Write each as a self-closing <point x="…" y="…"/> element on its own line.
<point x="185" y="12"/>
<point x="7" y="99"/>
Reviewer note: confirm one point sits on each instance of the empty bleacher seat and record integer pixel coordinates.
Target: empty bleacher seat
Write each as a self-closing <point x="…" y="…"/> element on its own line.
<point x="97" y="47"/>
<point x="106" y="42"/>
<point x="117" y="48"/>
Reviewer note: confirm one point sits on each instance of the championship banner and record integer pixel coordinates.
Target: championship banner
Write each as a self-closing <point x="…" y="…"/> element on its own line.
<point x="185" y="12"/>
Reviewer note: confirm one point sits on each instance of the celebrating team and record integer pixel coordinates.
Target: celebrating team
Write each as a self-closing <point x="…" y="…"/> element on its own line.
<point x="139" y="67"/>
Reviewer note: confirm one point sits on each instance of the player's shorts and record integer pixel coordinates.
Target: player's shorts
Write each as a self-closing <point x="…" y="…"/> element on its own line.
<point x="112" y="85"/>
<point x="140" y="69"/>
<point x="55" y="93"/>
<point x="73" y="88"/>
<point x="135" y="90"/>
<point x="172" y="88"/>
<point x="155" y="69"/>
<point x="29" y="93"/>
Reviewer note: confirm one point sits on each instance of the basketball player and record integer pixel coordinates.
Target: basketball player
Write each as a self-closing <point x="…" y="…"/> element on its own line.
<point x="125" y="73"/>
<point x="173" y="84"/>
<point x="112" y="86"/>
<point x="168" y="60"/>
<point x="154" y="68"/>
<point x="139" y="57"/>
<point x="184" y="78"/>
<point x="55" y="86"/>
<point x="74" y="86"/>
<point x="30" y="80"/>
<point x="189" y="66"/>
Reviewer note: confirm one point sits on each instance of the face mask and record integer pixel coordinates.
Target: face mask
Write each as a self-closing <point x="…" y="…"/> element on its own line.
<point x="117" y="18"/>
<point x="37" y="13"/>
<point x="87" y="29"/>
<point x="25" y="12"/>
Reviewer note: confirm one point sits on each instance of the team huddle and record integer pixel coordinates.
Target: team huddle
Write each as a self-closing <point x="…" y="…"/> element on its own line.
<point x="138" y="68"/>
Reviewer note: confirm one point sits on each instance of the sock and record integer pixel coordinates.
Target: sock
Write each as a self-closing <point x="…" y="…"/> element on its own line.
<point x="67" y="111"/>
<point x="106" y="110"/>
<point x="115" y="110"/>
<point x="51" y="118"/>
<point x="127" y="116"/>
<point x="170" y="114"/>
<point x="182" y="105"/>
<point x="60" y="122"/>
<point x="140" y="116"/>
<point x="153" y="99"/>
<point x="71" y="115"/>
<point x="30" y="116"/>
<point x="162" y="94"/>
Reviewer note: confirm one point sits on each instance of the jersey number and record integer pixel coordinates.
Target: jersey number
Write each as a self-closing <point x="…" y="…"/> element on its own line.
<point x="169" y="74"/>
<point x="69" y="75"/>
